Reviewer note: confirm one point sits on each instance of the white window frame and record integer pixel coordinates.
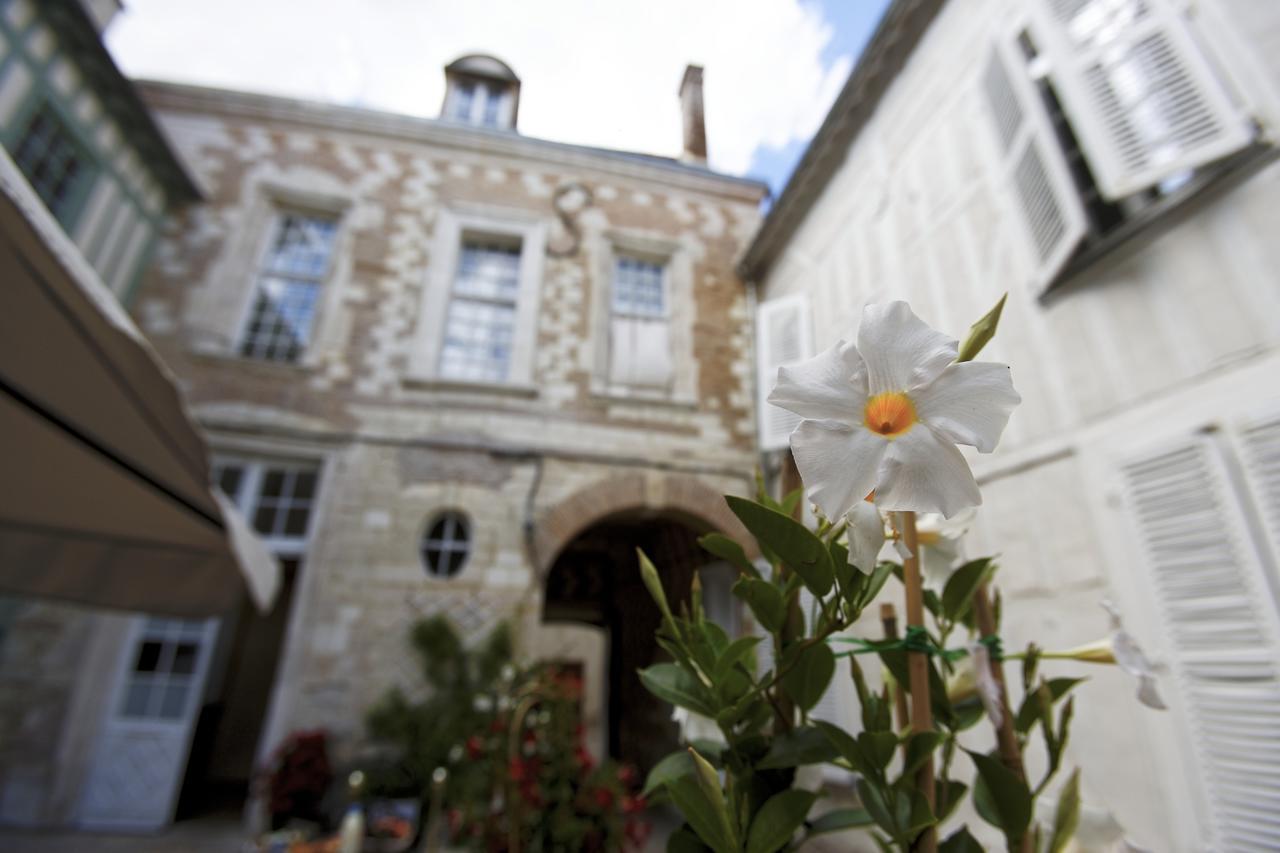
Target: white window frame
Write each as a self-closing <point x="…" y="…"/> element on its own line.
<point x="249" y="492"/>
<point x="619" y="318"/>
<point x="453" y="228"/>
<point x="679" y="309"/>
<point x="321" y="282"/>
<point x="774" y="424"/>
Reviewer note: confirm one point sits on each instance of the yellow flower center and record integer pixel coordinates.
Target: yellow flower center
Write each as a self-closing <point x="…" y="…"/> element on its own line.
<point x="889" y="414"/>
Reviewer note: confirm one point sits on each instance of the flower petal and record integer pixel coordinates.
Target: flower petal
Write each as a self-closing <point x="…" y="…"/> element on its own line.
<point x="1129" y="655"/>
<point x="969" y="403"/>
<point x="830" y="386"/>
<point x="838" y="463"/>
<point x="925" y="473"/>
<point x="901" y="352"/>
<point x="866" y="536"/>
<point x="1149" y="693"/>
<point x="988" y="690"/>
<point x="936" y="561"/>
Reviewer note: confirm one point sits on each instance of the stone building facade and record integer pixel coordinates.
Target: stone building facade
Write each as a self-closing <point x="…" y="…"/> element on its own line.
<point x="1131" y="221"/>
<point x="438" y="363"/>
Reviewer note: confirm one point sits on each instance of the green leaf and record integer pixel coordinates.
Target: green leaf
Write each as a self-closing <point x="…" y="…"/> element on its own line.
<point x="765" y="600"/>
<point x="847" y="747"/>
<point x="791" y="501"/>
<point x="848" y="577"/>
<point x="919" y="815"/>
<point x="875" y="583"/>
<point x="948" y="795"/>
<point x="795" y="544"/>
<point x="1067" y="816"/>
<point x="809" y="673"/>
<point x="875" y="799"/>
<point x="1000" y="797"/>
<point x="960" y="841"/>
<point x="805" y="745"/>
<point x="709" y="782"/>
<point x="671" y="683"/>
<point x="672" y="767"/>
<point x="919" y="747"/>
<point x="700" y="813"/>
<point x="778" y="820"/>
<point x="685" y="840"/>
<point x="878" y="747"/>
<point x="729" y="551"/>
<point x="737" y="651"/>
<point x="957" y="595"/>
<point x="981" y="332"/>
<point x="1029" y="711"/>
<point x="839" y="820"/>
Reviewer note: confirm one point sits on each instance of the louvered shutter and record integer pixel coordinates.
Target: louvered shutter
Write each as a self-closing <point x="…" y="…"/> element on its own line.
<point x="1140" y="96"/>
<point x="640" y="351"/>
<point x="1221" y="623"/>
<point x="1035" y="169"/>
<point x="782" y="338"/>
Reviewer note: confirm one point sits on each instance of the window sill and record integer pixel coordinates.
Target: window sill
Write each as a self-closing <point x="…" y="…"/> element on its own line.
<point x="462" y="386"/>
<point x="293" y="368"/>
<point x="1160" y="217"/>
<point x="621" y="394"/>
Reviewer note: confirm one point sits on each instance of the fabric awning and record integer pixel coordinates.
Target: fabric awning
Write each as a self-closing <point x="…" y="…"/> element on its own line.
<point x="104" y="478"/>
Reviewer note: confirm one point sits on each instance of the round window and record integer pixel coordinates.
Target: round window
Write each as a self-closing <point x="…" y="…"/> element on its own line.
<point x="446" y="544"/>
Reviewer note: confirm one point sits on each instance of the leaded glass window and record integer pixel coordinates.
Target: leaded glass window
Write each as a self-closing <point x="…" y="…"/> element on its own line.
<point x="480" y="324"/>
<point x="54" y="164"/>
<point x="637" y="288"/>
<point x="289" y="281"/>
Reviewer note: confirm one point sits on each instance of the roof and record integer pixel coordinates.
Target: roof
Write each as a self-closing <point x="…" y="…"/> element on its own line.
<point x="185" y="97"/>
<point x="897" y="35"/>
<point x="482" y="65"/>
<point x="77" y="32"/>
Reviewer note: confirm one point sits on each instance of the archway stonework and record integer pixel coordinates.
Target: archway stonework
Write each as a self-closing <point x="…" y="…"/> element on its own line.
<point x="679" y="496"/>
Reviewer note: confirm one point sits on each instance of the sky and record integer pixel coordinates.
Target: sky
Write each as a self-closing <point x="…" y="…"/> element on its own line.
<point x="592" y="73"/>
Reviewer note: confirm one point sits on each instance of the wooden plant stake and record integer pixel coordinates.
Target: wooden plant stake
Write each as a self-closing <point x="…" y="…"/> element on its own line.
<point x="918" y="668"/>
<point x="1006" y="741"/>
<point x="889" y="620"/>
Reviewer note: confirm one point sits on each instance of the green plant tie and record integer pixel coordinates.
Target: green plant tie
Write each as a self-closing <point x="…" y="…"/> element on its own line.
<point x="994" y="647"/>
<point x="917" y="639"/>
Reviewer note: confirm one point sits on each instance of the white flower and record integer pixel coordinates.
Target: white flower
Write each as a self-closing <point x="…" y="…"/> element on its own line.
<point x="866" y="535"/>
<point x="939" y="541"/>
<point x="886" y="416"/>
<point x="1129" y="657"/>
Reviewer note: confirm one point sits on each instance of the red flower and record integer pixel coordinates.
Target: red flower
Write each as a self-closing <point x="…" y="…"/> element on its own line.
<point x="627" y="775"/>
<point x="584" y="759"/>
<point x="603" y="798"/>
<point x="633" y="805"/>
<point x="475" y="747"/>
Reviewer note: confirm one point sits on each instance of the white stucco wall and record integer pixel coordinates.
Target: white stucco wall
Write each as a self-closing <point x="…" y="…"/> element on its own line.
<point x="1174" y="334"/>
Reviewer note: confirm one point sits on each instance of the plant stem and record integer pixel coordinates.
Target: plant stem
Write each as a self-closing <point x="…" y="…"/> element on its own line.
<point x="889" y="621"/>
<point x="918" y="669"/>
<point x="1006" y="740"/>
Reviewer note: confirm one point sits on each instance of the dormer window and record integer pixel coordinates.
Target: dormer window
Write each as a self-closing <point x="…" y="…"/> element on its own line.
<point x="481" y="91"/>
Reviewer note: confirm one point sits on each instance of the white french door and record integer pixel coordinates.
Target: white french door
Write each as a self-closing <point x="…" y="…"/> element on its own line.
<point x="142" y="752"/>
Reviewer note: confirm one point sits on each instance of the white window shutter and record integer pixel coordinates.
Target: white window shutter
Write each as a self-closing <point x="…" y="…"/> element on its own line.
<point x="1261" y="441"/>
<point x="640" y="351"/>
<point x="1141" y="97"/>
<point x="782" y="338"/>
<point x="1221" y="623"/>
<point x="1035" y="168"/>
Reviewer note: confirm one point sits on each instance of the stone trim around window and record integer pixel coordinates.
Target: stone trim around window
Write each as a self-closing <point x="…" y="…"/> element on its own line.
<point x="453" y="227"/>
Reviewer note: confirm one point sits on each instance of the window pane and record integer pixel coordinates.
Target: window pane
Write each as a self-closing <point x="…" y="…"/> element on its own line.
<point x="637" y="288"/>
<point x="493" y="100"/>
<point x="488" y="271"/>
<point x="228" y="478"/>
<point x="136" y="698"/>
<point x="281" y="320"/>
<point x="184" y="659"/>
<point x="273" y="483"/>
<point x="48" y="155"/>
<point x="304" y="484"/>
<point x="463" y="98"/>
<point x="478" y="339"/>
<point x="175" y="695"/>
<point x="295" y="523"/>
<point x="264" y="520"/>
<point x="148" y="657"/>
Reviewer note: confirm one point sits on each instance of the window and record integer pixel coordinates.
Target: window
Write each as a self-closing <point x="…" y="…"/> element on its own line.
<point x="295" y="266"/>
<point x="58" y="168"/>
<point x="446" y="545"/>
<point x="1106" y="114"/>
<point x="639" y="331"/>
<point x="162" y="677"/>
<point x="277" y="498"/>
<point x="475" y="102"/>
<point x="481" y="322"/>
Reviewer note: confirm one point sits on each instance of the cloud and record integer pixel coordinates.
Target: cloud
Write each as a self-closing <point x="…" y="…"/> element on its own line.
<point x="593" y="73"/>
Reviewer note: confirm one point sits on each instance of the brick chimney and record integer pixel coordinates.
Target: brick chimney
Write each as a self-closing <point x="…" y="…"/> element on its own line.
<point x="695" y="127"/>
